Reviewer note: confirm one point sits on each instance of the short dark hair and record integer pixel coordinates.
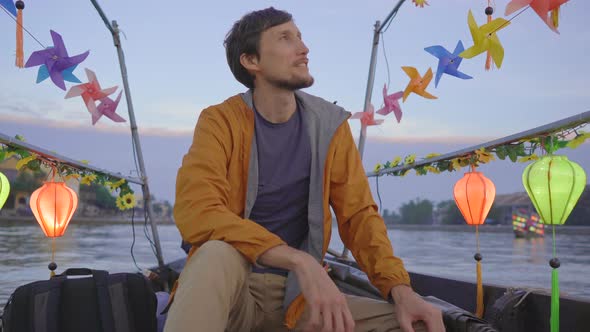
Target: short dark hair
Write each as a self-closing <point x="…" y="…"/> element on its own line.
<point x="244" y="37"/>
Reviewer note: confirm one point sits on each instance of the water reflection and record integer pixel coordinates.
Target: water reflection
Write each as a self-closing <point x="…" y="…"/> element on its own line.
<point x="25" y="253"/>
<point x="531" y="250"/>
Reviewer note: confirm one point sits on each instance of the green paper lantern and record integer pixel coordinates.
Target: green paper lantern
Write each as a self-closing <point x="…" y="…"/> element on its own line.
<point x="4" y="189"/>
<point x="554" y="185"/>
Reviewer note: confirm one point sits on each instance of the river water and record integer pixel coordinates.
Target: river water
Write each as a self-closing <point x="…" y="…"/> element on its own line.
<point x="25" y="253"/>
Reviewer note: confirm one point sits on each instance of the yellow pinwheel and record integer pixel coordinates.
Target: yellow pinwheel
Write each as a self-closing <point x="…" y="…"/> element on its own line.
<point x="485" y="39"/>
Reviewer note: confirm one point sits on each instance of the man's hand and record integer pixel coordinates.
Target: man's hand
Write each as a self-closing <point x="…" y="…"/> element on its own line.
<point x="328" y="309"/>
<point x="411" y="308"/>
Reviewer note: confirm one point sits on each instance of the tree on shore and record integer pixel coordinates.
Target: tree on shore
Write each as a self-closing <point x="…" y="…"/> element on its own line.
<point x="417" y="212"/>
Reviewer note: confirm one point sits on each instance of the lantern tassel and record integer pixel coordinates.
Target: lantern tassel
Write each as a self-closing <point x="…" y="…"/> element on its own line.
<point x="554" y="300"/>
<point x="479" y="298"/>
<point x="555" y="17"/>
<point x="20" y="54"/>
<point x="479" y="308"/>
<point x="554" y="263"/>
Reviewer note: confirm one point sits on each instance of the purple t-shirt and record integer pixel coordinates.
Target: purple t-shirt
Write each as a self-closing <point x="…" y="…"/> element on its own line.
<point x="284" y="159"/>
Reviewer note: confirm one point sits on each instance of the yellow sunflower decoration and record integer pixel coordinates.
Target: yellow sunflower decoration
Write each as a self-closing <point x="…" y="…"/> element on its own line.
<point x="126" y="202"/>
<point x="420" y="3"/>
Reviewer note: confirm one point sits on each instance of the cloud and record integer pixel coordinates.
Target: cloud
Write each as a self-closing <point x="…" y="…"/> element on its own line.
<point x="83" y="126"/>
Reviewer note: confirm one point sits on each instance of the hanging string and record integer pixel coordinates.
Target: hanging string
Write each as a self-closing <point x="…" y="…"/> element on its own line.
<point x="25" y="29"/>
<point x="145" y="207"/>
<point x="52" y="273"/>
<point x="383" y="45"/>
<point x="386" y="61"/>
<point x="378" y="194"/>
<point x="477" y="238"/>
<point x="510" y="20"/>
<point x="133" y="242"/>
<point x="553" y="239"/>
<point x="52" y="264"/>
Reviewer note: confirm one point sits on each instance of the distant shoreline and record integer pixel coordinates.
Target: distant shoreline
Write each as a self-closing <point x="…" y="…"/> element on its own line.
<point x="564" y="229"/>
<point x="11" y="220"/>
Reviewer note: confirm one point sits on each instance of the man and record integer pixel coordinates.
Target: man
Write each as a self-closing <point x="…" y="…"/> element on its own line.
<point x="253" y="198"/>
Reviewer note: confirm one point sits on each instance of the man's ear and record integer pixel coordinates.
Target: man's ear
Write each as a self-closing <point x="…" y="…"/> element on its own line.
<point x="250" y="62"/>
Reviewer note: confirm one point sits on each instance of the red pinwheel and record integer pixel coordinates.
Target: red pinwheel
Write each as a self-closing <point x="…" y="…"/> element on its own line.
<point x="367" y="118"/>
<point x="90" y="92"/>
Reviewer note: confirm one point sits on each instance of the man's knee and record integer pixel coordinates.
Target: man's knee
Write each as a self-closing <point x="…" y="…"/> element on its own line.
<point x="218" y="253"/>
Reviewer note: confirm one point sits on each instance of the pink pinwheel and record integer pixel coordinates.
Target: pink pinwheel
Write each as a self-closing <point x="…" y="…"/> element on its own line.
<point x="367" y="118"/>
<point x="56" y="59"/>
<point x="541" y="7"/>
<point x="107" y="107"/>
<point x="90" y="92"/>
<point x="391" y="104"/>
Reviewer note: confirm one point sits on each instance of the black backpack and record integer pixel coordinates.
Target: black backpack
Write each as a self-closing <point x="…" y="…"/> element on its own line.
<point x="120" y="302"/>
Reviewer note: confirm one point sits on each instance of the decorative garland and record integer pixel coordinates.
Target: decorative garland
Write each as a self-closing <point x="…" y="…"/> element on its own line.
<point x="33" y="162"/>
<point x="521" y="151"/>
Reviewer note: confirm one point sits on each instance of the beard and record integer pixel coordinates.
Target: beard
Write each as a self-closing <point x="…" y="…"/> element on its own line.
<point x="295" y="83"/>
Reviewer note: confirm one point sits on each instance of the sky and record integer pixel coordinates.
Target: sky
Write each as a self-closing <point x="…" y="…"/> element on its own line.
<point x="176" y="66"/>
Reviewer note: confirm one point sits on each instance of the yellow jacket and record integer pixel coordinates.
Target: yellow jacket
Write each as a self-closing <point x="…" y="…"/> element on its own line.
<point x="216" y="189"/>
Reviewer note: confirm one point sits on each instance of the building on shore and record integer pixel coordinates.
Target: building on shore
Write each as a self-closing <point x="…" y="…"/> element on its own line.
<point x="95" y="202"/>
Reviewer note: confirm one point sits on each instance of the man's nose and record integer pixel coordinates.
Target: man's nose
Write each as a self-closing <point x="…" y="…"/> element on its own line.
<point x="303" y="48"/>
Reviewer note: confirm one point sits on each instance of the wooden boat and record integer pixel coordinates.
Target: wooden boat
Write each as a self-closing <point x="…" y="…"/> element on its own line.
<point x="507" y="309"/>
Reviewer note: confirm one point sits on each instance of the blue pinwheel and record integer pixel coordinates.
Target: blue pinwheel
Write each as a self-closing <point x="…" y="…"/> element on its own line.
<point x="68" y="74"/>
<point x="448" y="62"/>
<point x="9" y="5"/>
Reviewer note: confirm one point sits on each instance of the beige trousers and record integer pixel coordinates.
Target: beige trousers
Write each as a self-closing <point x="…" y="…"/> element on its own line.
<point x="217" y="292"/>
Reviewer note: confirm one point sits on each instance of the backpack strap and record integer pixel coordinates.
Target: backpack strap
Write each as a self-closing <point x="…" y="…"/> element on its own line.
<point x="49" y="304"/>
<point x="102" y="294"/>
<point x="104" y="300"/>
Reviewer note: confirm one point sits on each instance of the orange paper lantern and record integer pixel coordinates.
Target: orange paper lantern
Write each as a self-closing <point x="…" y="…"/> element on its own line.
<point x="53" y="206"/>
<point x="474" y="195"/>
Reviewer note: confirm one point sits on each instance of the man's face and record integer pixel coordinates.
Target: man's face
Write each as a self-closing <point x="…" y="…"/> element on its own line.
<point x="283" y="58"/>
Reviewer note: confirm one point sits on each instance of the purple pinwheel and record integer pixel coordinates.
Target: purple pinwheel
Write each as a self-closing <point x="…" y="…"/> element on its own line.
<point x="391" y="104"/>
<point x="447" y="63"/>
<point x="107" y="107"/>
<point x="56" y="60"/>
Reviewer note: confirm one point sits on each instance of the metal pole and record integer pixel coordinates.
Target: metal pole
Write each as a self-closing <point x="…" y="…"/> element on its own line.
<point x="368" y="93"/>
<point x="53" y="156"/>
<point x="372" y="66"/>
<point x="371" y="81"/>
<point x="114" y="29"/>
